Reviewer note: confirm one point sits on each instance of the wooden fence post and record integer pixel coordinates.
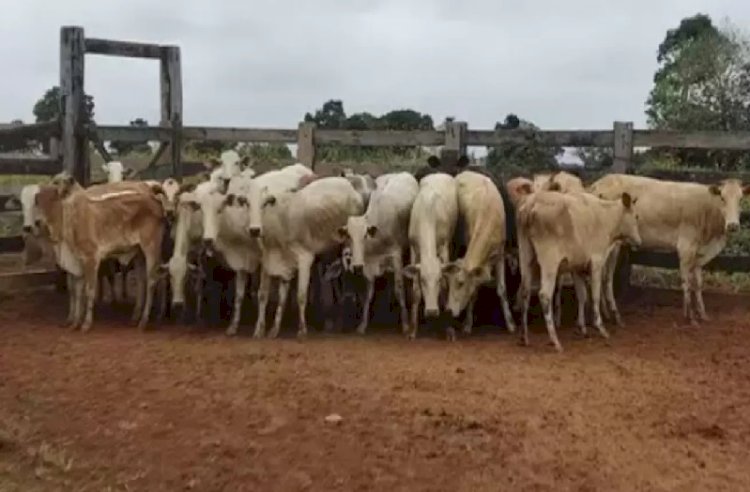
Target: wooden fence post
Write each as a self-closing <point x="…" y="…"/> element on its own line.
<point x="622" y="163"/>
<point x="306" y="144"/>
<point x="171" y="104"/>
<point x="623" y="147"/>
<point x="455" y="146"/>
<point x="73" y="104"/>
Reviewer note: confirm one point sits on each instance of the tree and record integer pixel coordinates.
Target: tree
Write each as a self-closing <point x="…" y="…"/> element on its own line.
<point x="331" y="115"/>
<point x="702" y="83"/>
<point x="47" y="108"/>
<point x="123" y="148"/>
<point x="530" y="155"/>
<point x="17" y="144"/>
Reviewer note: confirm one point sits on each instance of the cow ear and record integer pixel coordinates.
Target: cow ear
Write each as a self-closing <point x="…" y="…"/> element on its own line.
<point x="242" y="201"/>
<point x="193" y="205"/>
<point x="245" y="162"/>
<point x="186" y="188"/>
<point x="715" y="190"/>
<point x="411" y="271"/>
<point x="130" y="173"/>
<point x="482" y="274"/>
<point x="451" y="268"/>
<point x="554" y="186"/>
<point x="433" y="161"/>
<point x="269" y="201"/>
<point x="627" y="200"/>
<point x="372" y="231"/>
<point x="525" y="189"/>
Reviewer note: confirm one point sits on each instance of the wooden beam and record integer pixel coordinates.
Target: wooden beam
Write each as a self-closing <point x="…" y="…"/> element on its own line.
<point x="705" y="177"/>
<point x="27" y="280"/>
<point x="377" y="138"/>
<point x="455" y="145"/>
<point x="122" y="133"/>
<point x="129" y="49"/>
<point x="29" y="165"/>
<point x="623" y="147"/>
<point x="75" y="150"/>
<point x="692" y="140"/>
<point x="552" y="138"/>
<point x="34" y="131"/>
<point x="165" y="171"/>
<point x="172" y="104"/>
<point x="306" y="144"/>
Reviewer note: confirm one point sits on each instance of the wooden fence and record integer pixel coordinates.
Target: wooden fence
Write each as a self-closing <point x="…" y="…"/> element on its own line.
<point x="70" y="137"/>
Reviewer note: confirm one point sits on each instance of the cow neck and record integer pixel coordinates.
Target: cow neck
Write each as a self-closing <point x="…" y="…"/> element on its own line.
<point x="613" y="214"/>
<point x="182" y="229"/>
<point x="427" y="231"/>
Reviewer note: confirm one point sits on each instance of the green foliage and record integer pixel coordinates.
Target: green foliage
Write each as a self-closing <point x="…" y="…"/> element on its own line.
<point x="47" y="108"/>
<point x="702" y="83"/>
<point x="596" y="157"/>
<point x="123" y="148"/>
<point x="208" y="147"/>
<point x="528" y="156"/>
<point x="333" y="116"/>
<point x="18" y="144"/>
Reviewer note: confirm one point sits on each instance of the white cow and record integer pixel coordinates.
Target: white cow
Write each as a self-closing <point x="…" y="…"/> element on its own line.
<point x="691" y="219"/>
<point x="481" y="207"/>
<point x="295" y="227"/>
<point x="378" y="238"/>
<point x="431" y="227"/>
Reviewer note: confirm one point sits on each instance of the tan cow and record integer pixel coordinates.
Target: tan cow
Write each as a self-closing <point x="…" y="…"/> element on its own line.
<point x="481" y="207"/>
<point x="101" y="221"/>
<point x="569" y="233"/>
<point x="559" y="180"/>
<point x="689" y="218"/>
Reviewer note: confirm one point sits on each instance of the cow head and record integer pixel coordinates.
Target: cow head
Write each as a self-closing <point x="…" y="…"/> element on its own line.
<point x="429" y="275"/>
<point x="463" y="283"/>
<point x="628" y="226"/>
<point x="355" y="235"/>
<point x="48" y="203"/>
<point x="728" y="194"/>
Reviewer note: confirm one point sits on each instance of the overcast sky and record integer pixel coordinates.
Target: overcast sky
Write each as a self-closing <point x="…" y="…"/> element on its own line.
<point x="561" y="64"/>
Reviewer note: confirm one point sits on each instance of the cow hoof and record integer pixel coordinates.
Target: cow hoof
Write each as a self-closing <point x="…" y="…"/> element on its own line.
<point x="85" y="327"/>
<point x="705" y="318"/>
<point x="231" y="331"/>
<point x="258" y="335"/>
<point x="511" y="329"/>
<point x="466" y="330"/>
<point x="411" y="336"/>
<point x="143" y="326"/>
<point x="301" y="335"/>
<point x="522" y="342"/>
<point x="362" y="331"/>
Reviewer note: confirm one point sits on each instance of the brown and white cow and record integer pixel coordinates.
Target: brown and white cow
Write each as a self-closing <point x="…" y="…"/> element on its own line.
<point x="481" y="207"/>
<point x="98" y="222"/>
<point x="569" y="233"/>
<point x="431" y="227"/>
<point x="690" y="218"/>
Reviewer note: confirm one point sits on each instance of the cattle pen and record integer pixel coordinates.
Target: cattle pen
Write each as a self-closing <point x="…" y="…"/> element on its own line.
<point x="660" y="406"/>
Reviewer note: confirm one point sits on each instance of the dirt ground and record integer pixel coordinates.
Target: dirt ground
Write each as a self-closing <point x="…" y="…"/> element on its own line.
<point x="665" y="406"/>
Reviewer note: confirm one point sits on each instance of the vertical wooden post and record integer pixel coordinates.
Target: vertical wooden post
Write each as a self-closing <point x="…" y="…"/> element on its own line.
<point x="73" y="104"/>
<point x="54" y="148"/>
<point x="623" y="147"/>
<point x="306" y="144"/>
<point x="454" y="147"/>
<point x="171" y="105"/>
<point x="622" y="163"/>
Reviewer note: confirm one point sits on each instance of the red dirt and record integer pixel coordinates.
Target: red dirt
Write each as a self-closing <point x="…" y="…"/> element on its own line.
<point x="664" y="407"/>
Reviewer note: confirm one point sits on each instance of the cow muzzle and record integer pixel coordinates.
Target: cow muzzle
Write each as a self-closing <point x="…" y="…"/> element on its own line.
<point x="431" y="313"/>
<point x="254" y="232"/>
<point x="733" y="227"/>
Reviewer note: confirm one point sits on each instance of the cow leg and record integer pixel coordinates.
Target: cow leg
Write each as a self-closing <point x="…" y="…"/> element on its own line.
<point x="580" y="285"/>
<point x="304" y="264"/>
<point x="469" y="315"/>
<point x="596" y="292"/>
<point x="546" y="293"/>
<point x="558" y="303"/>
<point x="698" y="282"/>
<point x="398" y="284"/>
<point x="90" y="269"/>
<point x="198" y="286"/>
<point x="79" y="289"/>
<point x="502" y="293"/>
<point x="71" y="286"/>
<point x="362" y="328"/>
<point x="150" y="275"/>
<point x="263" y="289"/>
<point x="686" y="267"/>
<point x="162" y="288"/>
<point x="140" y="278"/>
<point x="280" y="306"/>
<point x="124" y="282"/>
<point x="240" y="282"/>
<point x="609" y="273"/>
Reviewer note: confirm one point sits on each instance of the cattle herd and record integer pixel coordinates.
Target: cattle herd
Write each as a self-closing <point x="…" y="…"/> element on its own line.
<point x="443" y="233"/>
